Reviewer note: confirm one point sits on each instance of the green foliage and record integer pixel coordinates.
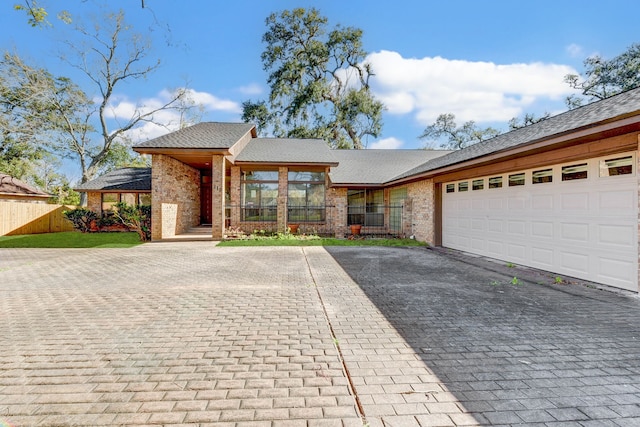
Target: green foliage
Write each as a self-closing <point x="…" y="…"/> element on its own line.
<point x="558" y="280"/>
<point x="457" y="137"/>
<point x="604" y="78"/>
<point x="319" y="82"/>
<point x="37" y="16"/>
<point x="137" y="218"/>
<point x="81" y="218"/>
<point x="294" y="240"/>
<point x="515" y="281"/>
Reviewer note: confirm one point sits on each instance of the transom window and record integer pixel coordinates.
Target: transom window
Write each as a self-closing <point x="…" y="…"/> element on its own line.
<point x="542" y="176"/>
<point x="516" y="179"/>
<point x="463" y="186"/>
<point x="571" y="172"/>
<point x="477" y="184"/>
<point x="617" y="166"/>
<point x="495" y="182"/>
<point x="451" y="188"/>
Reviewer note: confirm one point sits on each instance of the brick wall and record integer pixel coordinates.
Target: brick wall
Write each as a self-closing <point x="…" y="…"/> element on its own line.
<point x="175" y="197"/>
<point x="218" y="202"/>
<point x="337" y="197"/>
<point x="94" y="202"/>
<point x="422" y="200"/>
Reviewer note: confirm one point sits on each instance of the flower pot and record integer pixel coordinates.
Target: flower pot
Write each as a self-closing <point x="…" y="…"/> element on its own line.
<point x="293" y="228"/>
<point x="355" y="229"/>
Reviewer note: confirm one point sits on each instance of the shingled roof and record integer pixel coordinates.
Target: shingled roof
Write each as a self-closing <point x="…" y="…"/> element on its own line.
<point x="287" y="151"/>
<point x="205" y="135"/>
<point x="376" y="167"/>
<point x="10" y="186"/>
<point x="627" y="103"/>
<point x="125" y="179"/>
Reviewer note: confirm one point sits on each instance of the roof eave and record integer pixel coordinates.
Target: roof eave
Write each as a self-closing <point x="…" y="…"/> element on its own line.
<point x="296" y="164"/>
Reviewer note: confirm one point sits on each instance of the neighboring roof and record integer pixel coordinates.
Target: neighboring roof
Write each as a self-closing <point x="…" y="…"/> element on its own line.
<point x="125" y="179"/>
<point x="14" y="187"/>
<point x="287" y="151"/>
<point x="374" y="167"/>
<point x="205" y="135"/>
<point x="589" y="115"/>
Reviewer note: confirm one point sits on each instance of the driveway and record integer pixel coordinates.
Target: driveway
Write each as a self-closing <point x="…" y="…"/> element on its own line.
<point x="189" y="333"/>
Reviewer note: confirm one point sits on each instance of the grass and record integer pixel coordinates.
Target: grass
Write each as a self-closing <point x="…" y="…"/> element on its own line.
<point x="71" y="239"/>
<point x="322" y="242"/>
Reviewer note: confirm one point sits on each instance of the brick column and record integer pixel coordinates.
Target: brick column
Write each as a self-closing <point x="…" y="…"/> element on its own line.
<point x="235" y="196"/>
<point x="217" y="196"/>
<point x="283" y="191"/>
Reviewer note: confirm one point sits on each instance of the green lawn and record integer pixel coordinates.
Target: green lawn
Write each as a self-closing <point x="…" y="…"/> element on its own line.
<point x="71" y="239"/>
<point x="322" y="242"/>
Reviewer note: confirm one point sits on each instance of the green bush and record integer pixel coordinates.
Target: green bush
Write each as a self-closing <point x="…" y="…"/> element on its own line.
<point x="81" y="218"/>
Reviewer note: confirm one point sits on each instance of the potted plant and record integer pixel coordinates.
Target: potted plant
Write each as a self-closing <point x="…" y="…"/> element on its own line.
<point x="293" y="228"/>
<point x="355" y="229"/>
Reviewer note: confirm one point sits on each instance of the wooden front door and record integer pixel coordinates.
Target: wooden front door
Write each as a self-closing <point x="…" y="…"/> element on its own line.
<point x="205" y="201"/>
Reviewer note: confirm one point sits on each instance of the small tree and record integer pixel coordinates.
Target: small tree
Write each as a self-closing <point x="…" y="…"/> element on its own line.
<point x="457" y="137"/>
<point x="137" y="218"/>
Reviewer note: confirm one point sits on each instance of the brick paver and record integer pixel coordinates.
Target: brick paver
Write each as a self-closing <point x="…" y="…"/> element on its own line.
<point x="189" y="333"/>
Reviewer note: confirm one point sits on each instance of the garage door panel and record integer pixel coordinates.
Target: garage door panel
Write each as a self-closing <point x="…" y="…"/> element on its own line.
<point x="542" y="229"/>
<point x="517" y="227"/>
<point x="574" y="262"/>
<point x="574" y="201"/>
<point x="574" y="232"/>
<point x="542" y="257"/>
<point x="495" y="248"/>
<point x="516" y="252"/>
<point x="618" y="235"/>
<point x="617" y="271"/>
<point x="617" y="201"/>
<point x="541" y="202"/>
<point x="517" y="203"/>
<point x="496" y="204"/>
<point x="494" y="225"/>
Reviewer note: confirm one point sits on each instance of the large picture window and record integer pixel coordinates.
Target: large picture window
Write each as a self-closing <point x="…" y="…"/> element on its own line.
<point x="259" y="194"/>
<point x="306" y="197"/>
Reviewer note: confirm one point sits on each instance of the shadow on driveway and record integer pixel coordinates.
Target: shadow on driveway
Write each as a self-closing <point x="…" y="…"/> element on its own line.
<point x="510" y="353"/>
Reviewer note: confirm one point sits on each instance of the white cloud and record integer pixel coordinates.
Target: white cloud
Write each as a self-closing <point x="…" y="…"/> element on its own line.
<point x="251" y="89"/>
<point x="386" y="143"/>
<point x="122" y="110"/>
<point x="479" y="91"/>
<point x="575" y="50"/>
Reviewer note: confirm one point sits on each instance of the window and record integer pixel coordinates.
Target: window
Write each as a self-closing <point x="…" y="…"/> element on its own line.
<point x="619" y="166"/>
<point x="306" y="197"/>
<point x="477" y="184"/>
<point x="109" y="200"/>
<point x="365" y="207"/>
<point x="516" y="179"/>
<point x="259" y="196"/>
<point x="463" y="186"/>
<point x="451" y="188"/>
<point x="144" y="199"/>
<point x="571" y="172"/>
<point x="495" y="182"/>
<point x="129" y="198"/>
<point x="542" y="176"/>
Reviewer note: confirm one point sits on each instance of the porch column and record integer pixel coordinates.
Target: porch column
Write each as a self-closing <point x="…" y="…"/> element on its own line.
<point x="235" y="196"/>
<point x="217" y="197"/>
<point x="283" y="190"/>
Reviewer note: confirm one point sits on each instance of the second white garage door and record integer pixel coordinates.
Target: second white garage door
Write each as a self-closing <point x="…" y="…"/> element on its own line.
<point x="578" y="219"/>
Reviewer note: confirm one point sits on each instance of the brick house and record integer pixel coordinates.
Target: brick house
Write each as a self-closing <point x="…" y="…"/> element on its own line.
<point x="560" y="195"/>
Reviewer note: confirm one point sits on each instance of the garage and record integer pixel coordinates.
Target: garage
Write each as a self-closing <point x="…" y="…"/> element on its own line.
<point x="576" y="219"/>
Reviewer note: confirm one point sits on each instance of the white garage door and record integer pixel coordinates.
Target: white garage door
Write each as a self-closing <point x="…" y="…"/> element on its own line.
<point x="578" y="219"/>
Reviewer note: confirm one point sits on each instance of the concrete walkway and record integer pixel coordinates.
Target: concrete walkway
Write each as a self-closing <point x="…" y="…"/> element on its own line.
<point x="189" y="333"/>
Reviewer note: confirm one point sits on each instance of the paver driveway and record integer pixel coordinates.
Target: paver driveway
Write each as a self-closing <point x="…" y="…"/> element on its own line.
<point x="188" y="333"/>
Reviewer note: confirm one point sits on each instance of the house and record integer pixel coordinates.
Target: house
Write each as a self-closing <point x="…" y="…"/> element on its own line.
<point x="560" y="195"/>
<point x="130" y="185"/>
<point x="14" y="190"/>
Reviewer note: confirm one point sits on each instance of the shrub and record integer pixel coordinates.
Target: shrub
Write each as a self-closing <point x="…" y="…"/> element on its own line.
<point x="137" y="218"/>
<point x="81" y="218"/>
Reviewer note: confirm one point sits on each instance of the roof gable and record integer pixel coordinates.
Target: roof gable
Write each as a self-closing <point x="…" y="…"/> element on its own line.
<point x="205" y="135"/>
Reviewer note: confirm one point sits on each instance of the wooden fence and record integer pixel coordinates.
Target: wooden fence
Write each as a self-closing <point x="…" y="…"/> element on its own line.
<point x="32" y="218"/>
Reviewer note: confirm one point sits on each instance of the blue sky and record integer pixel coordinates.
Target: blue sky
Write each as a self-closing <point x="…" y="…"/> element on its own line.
<point x="485" y="61"/>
